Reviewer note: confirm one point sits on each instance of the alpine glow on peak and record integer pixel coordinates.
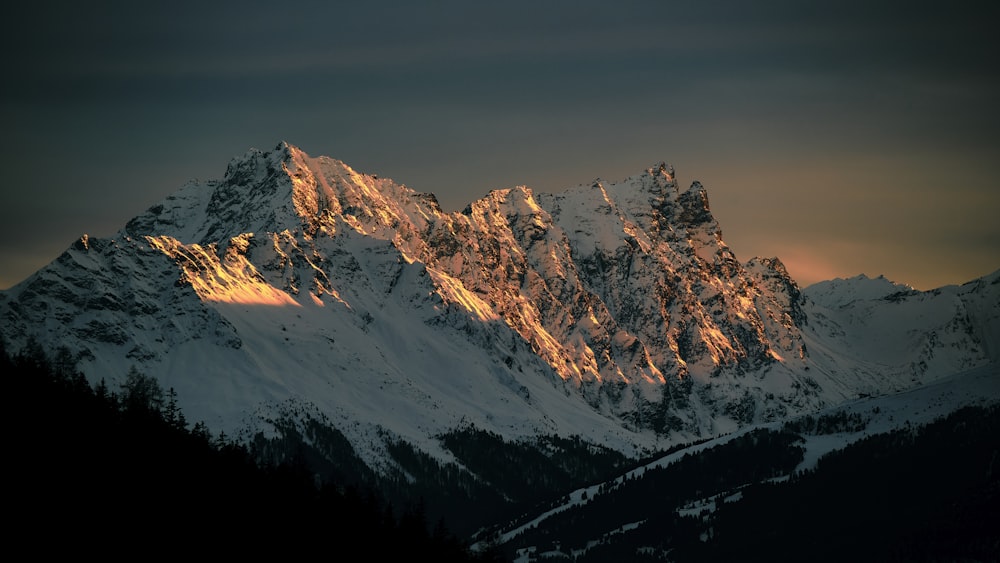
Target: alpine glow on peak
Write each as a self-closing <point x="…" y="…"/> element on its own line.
<point x="613" y="311"/>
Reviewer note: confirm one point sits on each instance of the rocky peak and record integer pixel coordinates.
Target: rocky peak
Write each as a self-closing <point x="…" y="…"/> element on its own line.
<point x="771" y="276"/>
<point x="694" y="209"/>
<point x="619" y="295"/>
<point x="662" y="174"/>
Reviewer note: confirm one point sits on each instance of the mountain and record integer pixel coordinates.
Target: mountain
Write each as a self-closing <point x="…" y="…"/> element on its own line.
<point x="297" y="296"/>
<point x="905" y="336"/>
<point x="839" y="292"/>
<point x="900" y="477"/>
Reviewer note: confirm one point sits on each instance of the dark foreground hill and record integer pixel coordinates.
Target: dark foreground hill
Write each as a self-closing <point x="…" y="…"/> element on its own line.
<point x="120" y="473"/>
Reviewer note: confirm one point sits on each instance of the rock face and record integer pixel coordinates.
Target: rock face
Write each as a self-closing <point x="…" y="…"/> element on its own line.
<point x="613" y="311"/>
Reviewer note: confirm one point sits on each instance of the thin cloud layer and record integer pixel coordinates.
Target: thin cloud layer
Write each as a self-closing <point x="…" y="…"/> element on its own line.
<point x="855" y="125"/>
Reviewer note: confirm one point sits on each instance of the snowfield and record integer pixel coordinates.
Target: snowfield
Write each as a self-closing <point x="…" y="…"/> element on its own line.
<point x="612" y="311"/>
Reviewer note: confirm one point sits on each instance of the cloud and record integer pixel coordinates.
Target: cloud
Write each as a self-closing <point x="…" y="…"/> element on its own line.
<point x="810" y="118"/>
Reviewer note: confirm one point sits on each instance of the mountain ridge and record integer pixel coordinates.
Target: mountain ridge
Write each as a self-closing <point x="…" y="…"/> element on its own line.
<point x="613" y="310"/>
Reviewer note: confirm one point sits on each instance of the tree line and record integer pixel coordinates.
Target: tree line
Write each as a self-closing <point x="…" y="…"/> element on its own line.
<point x="119" y="471"/>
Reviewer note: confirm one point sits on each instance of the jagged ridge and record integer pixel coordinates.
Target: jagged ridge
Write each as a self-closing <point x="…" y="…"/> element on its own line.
<point x="612" y="310"/>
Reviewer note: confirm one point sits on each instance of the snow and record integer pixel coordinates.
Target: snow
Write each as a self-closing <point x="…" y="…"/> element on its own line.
<point x="909" y="409"/>
<point x="912" y="408"/>
<point x="234" y="280"/>
<point x="840" y="292"/>
<point x="296" y="283"/>
<point x="896" y="344"/>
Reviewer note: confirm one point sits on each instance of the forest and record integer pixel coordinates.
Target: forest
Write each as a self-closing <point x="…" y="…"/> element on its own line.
<point x="927" y="493"/>
<point x="119" y="472"/>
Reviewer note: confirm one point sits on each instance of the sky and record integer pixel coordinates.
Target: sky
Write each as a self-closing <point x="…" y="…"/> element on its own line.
<point x="845" y="138"/>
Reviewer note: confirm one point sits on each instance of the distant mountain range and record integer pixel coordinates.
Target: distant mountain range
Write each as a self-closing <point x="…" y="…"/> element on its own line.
<point x="297" y="289"/>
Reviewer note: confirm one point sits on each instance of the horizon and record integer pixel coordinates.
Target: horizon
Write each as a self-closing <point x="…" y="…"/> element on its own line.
<point x="844" y="138"/>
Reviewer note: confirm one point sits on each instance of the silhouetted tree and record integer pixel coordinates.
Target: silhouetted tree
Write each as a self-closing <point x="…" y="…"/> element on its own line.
<point x="172" y="413"/>
<point x="141" y="393"/>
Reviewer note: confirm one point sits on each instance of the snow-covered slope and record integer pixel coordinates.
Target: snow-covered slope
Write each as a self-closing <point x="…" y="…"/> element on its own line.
<point x="901" y="336"/>
<point x="613" y="311"/>
<point x="818" y="435"/>
<point x="840" y="292"/>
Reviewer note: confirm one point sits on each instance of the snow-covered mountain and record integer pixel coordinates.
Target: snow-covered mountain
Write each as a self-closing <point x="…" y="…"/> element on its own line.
<point x="840" y="292"/>
<point x="613" y="311"/>
<point x="809" y="437"/>
<point x="905" y="337"/>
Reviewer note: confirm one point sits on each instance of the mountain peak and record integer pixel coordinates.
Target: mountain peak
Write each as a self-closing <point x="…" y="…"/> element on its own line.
<point x="613" y="311"/>
<point x="695" y="210"/>
<point x="840" y="292"/>
<point x="663" y="175"/>
<point x="285" y="146"/>
<point x="661" y="169"/>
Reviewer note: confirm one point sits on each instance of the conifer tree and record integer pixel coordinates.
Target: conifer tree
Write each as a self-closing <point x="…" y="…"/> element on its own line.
<point x="141" y="393"/>
<point x="172" y="413"/>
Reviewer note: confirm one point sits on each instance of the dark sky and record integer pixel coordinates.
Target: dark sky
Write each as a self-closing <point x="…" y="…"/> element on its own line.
<point x="843" y="137"/>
